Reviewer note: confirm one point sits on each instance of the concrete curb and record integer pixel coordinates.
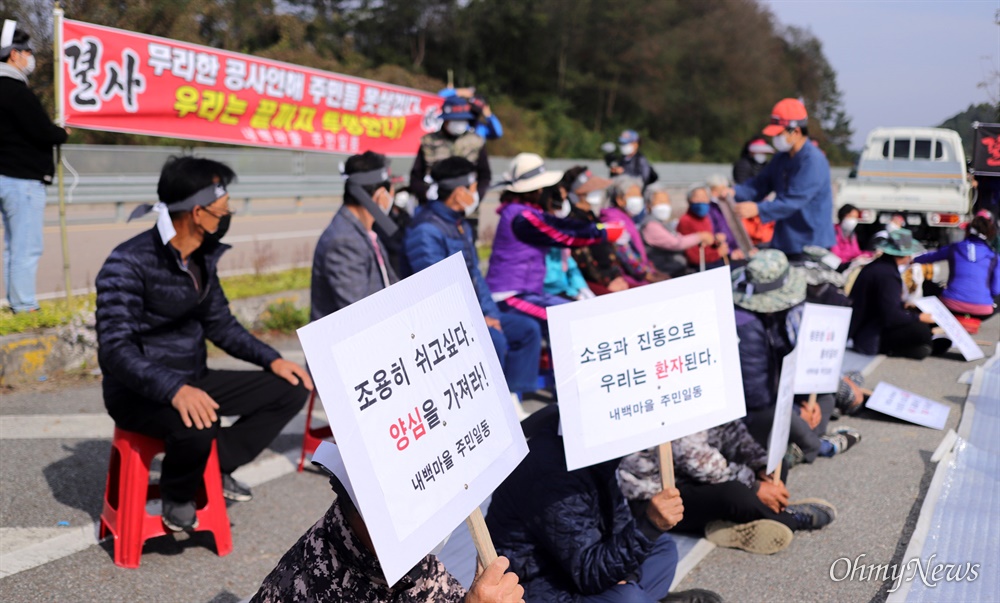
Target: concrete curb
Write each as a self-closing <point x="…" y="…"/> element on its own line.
<point x="35" y="356"/>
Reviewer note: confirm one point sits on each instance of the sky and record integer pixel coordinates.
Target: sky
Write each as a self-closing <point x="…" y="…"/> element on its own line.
<point x="903" y="62"/>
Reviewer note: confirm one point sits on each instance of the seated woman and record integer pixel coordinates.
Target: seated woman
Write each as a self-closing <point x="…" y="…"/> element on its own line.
<point x="663" y="245"/>
<point x="847" y="248"/>
<point x="704" y="216"/>
<point x="973" y="270"/>
<point x="562" y="275"/>
<point x="880" y="323"/>
<point x="525" y="233"/>
<point x="624" y="201"/>
<point x="727" y="495"/>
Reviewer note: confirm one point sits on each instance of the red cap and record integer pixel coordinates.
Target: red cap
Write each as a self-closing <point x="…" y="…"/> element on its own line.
<point x="788" y="113"/>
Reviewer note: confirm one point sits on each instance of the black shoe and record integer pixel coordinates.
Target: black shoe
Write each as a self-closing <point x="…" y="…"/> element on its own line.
<point x="842" y="439"/>
<point x="234" y="490"/>
<point x="811" y="513"/>
<point x="180" y="516"/>
<point x="939" y="345"/>
<point x="695" y="595"/>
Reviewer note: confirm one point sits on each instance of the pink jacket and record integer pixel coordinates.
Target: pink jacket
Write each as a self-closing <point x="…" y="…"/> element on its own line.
<point x="845" y="249"/>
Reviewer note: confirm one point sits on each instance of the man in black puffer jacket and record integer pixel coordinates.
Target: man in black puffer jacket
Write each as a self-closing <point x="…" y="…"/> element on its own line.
<point x="158" y="300"/>
<point x="571" y="537"/>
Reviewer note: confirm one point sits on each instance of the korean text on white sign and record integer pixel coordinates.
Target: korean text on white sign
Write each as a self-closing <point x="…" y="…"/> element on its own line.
<point x="956" y="332"/>
<point x="899" y="403"/>
<point x="820" y="347"/>
<point x="419" y="408"/>
<point x="646" y="366"/>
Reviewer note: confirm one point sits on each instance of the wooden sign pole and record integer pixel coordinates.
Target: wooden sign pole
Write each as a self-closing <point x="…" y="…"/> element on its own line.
<point x="481" y="537"/>
<point x="666" y="465"/>
<point x="701" y="257"/>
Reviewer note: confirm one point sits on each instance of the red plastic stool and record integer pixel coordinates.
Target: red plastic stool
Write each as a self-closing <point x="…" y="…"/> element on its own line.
<point x="128" y="489"/>
<point x="313" y="435"/>
<point x="969" y="323"/>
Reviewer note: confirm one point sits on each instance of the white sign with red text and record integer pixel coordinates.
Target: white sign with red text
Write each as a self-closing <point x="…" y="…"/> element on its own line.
<point x="419" y="408"/>
<point x="646" y="366"/>
<point x="895" y="402"/>
<point x="820" y="347"/>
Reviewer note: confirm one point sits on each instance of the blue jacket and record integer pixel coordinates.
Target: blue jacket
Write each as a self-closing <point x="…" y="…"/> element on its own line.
<point x="973" y="271"/>
<point x="566" y="281"/>
<point x="152" y="322"/>
<point x="566" y="533"/>
<point x="345" y="268"/>
<point x="802" y="209"/>
<point x="765" y="340"/>
<point x="437" y="233"/>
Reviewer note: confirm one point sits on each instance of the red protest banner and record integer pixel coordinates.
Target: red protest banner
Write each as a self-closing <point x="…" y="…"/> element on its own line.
<point x="122" y="81"/>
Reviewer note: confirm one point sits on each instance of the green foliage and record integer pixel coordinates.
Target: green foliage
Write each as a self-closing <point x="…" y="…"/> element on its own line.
<point x="253" y="285"/>
<point x="962" y="122"/>
<point x="284" y="317"/>
<point x="53" y="313"/>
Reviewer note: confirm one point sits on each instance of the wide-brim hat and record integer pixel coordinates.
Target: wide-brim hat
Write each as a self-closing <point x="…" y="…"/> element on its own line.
<point x="528" y="173"/>
<point x="900" y="243"/>
<point x="587" y="182"/>
<point x="768" y="283"/>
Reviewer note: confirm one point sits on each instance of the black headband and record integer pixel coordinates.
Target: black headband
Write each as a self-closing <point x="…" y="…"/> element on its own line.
<point x="202" y="198"/>
<point x="354" y="185"/>
<point x="450" y="184"/>
<point x="749" y="288"/>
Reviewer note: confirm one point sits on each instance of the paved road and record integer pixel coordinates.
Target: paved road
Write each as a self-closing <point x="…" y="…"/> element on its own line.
<point x="54" y="445"/>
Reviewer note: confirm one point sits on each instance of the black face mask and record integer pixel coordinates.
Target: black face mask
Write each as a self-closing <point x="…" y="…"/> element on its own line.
<point x="215" y="237"/>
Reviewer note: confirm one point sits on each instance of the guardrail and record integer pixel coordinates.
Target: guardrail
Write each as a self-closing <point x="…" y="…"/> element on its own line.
<point x="121" y="175"/>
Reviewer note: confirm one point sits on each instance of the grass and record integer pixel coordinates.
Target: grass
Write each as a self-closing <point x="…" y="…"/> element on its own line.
<point x="284" y="317"/>
<point x="54" y="313"/>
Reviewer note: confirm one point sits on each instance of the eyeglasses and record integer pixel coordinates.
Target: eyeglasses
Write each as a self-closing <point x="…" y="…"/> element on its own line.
<point x="228" y="212"/>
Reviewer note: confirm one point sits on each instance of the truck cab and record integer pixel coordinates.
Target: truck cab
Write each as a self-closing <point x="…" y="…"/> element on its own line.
<point x="917" y="172"/>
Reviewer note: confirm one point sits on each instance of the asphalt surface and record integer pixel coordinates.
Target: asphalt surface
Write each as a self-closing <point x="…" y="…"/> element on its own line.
<point x="877" y="486"/>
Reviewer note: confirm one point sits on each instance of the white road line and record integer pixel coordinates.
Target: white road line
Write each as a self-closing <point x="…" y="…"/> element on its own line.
<point x="76" y="539"/>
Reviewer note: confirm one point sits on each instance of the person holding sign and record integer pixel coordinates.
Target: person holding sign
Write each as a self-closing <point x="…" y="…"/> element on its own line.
<point x="158" y="300"/>
<point x="721" y="476"/>
<point x="351" y="262"/>
<point x="880" y="323"/>
<point x="571" y="537"/>
<point x="769" y="294"/>
<point x="335" y="561"/>
<point x="441" y="230"/>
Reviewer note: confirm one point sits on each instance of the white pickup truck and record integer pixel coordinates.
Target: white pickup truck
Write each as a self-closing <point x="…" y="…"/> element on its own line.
<point x="918" y="172"/>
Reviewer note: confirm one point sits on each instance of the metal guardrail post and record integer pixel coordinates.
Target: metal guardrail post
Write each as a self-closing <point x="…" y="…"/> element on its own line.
<point x="119" y="211"/>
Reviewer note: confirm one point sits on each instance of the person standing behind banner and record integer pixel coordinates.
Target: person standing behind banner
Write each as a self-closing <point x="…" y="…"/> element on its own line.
<point x="350" y="262"/>
<point x="633" y="162"/>
<point x="755" y="155"/>
<point x="799" y="175"/>
<point x="456" y="138"/>
<point x="158" y="299"/>
<point x="27" y="136"/>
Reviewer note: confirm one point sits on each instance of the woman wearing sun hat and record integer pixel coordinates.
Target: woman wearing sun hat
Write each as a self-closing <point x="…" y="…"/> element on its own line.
<point x="526" y="232"/>
<point x="880" y="323"/>
<point x="769" y="294"/>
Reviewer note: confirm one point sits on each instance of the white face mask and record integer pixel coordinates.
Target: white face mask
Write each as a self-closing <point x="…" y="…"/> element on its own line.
<point x="29" y="66"/>
<point x="475" y="204"/>
<point x="595" y="199"/>
<point x="402" y="200"/>
<point x="563" y="211"/>
<point x="760" y="157"/>
<point x="780" y="143"/>
<point x="892" y="227"/>
<point x="634" y="205"/>
<point x="848" y="226"/>
<point x="660" y="212"/>
<point x="456" y="128"/>
<point x="627" y="149"/>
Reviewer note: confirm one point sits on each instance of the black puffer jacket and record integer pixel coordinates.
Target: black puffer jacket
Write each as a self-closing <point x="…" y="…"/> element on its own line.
<point x="566" y="533"/>
<point x="765" y="340"/>
<point x="152" y="322"/>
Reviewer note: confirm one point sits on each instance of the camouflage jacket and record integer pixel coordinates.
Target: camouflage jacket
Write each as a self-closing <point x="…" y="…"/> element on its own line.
<point x="329" y="563"/>
<point x="721" y="454"/>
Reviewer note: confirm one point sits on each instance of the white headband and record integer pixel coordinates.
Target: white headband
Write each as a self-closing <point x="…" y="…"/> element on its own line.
<point x="7" y="37"/>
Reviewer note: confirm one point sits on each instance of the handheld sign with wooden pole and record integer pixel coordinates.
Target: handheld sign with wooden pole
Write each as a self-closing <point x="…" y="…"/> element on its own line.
<point x="419" y="409"/>
<point x="953" y="329"/>
<point x="820" y="347"/>
<point x="777" y="442"/>
<point x="735" y="224"/>
<point x="646" y="366"/>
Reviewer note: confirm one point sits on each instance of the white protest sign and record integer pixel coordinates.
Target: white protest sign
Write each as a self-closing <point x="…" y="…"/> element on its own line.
<point x="778" y="441"/>
<point x="820" y="346"/>
<point x="960" y="338"/>
<point x="899" y="403"/>
<point x="419" y="408"/>
<point x="646" y="366"/>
